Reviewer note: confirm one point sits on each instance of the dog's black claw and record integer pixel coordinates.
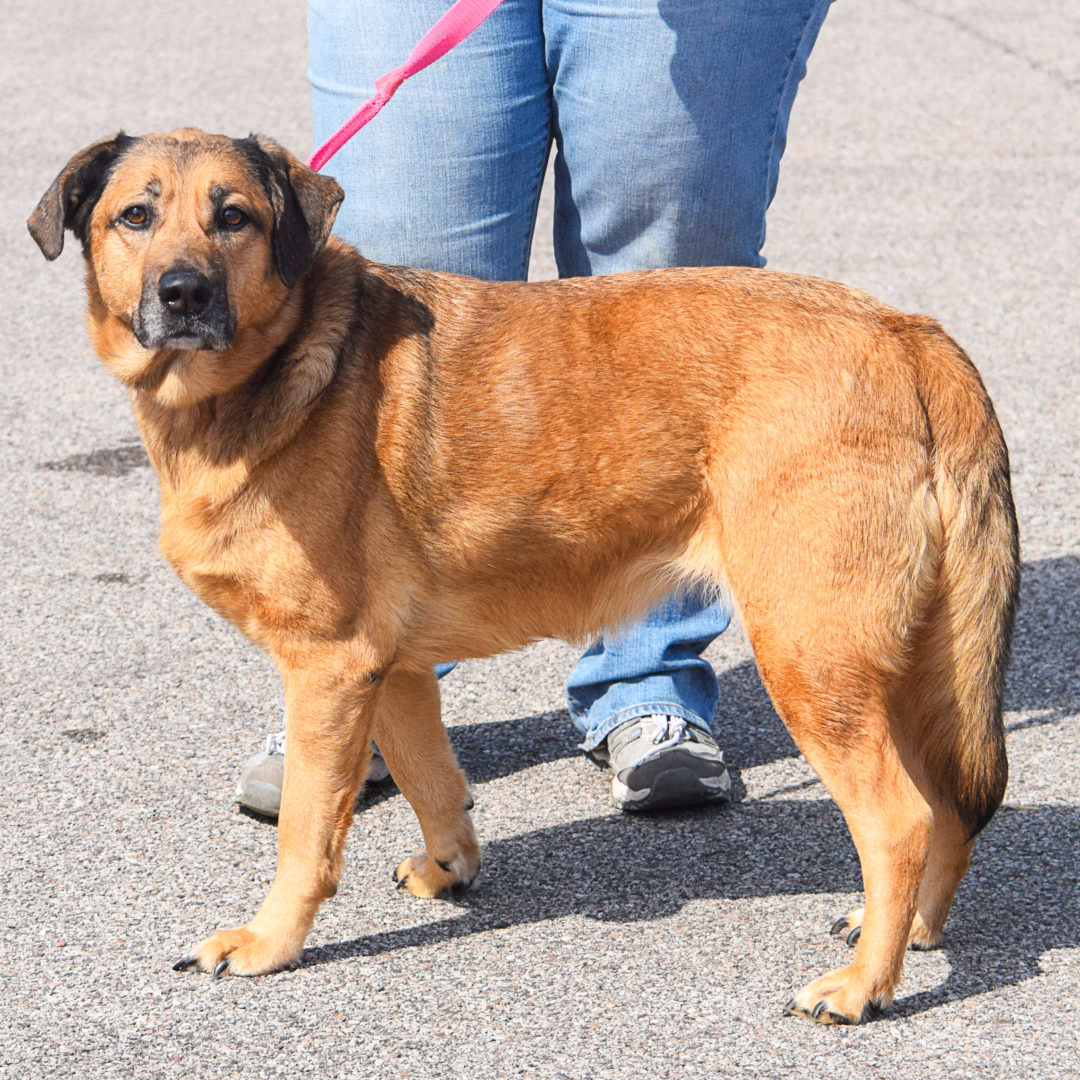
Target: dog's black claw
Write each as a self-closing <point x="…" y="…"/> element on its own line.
<point x="854" y="936"/>
<point x="469" y="804"/>
<point x="393" y="875"/>
<point x="839" y="926"/>
<point x="184" y="963"/>
<point x="221" y="968"/>
<point x="872" y="1009"/>
<point x="445" y="865"/>
<point x="402" y="881"/>
<point x="791" y="1008"/>
<point x="819" y="1008"/>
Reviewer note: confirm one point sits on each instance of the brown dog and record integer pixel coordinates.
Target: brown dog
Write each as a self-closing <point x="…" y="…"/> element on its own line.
<point x="370" y="469"/>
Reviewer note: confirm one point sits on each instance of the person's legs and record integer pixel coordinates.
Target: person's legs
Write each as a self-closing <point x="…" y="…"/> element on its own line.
<point x="670" y="123"/>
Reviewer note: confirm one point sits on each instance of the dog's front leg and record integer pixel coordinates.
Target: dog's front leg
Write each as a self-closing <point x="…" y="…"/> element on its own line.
<point x="410" y="733"/>
<point x="329" y="721"/>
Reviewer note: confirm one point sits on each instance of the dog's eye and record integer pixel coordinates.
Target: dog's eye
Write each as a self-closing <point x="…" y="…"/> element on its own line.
<point x="232" y="217"/>
<point x="136" y="216"/>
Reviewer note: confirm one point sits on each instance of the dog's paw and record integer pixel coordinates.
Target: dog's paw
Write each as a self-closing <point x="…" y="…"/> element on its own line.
<point x="836" y="998"/>
<point x="849" y="927"/>
<point x="922" y="937"/>
<point x="240" y="951"/>
<point x="428" y="877"/>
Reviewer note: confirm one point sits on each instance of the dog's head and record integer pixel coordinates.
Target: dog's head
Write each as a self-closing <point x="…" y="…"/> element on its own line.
<point x="192" y="242"/>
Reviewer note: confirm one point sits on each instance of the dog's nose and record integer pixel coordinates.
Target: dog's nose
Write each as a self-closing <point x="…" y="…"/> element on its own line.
<point x="185" y="292"/>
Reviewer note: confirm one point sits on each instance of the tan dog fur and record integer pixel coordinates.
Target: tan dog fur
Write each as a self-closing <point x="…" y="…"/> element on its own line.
<point x="386" y="468"/>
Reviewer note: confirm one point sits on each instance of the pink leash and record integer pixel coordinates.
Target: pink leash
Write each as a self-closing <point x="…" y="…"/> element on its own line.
<point x="452" y="29"/>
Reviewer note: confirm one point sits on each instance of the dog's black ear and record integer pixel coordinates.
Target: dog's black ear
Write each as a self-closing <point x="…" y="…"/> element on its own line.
<point x="73" y="194"/>
<point x="305" y="204"/>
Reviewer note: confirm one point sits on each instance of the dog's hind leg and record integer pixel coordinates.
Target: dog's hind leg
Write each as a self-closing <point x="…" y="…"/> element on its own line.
<point x="830" y="589"/>
<point x="844" y="732"/>
<point x="946" y="864"/>
<point x="412" y="739"/>
<point x="950" y="854"/>
<point x="953" y="744"/>
<point x="952" y="839"/>
<point x="949" y="704"/>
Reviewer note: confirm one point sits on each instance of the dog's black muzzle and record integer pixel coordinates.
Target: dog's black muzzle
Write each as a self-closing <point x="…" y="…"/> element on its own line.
<point x="184" y="309"/>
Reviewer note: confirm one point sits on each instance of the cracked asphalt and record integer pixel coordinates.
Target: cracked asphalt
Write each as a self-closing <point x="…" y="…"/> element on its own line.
<point x="934" y="161"/>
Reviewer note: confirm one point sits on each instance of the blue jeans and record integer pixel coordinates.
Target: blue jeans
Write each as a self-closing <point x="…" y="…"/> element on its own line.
<point x="669" y="118"/>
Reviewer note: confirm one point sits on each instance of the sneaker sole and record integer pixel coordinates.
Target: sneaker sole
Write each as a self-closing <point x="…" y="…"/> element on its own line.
<point x="671" y="787"/>
<point x="260" y="798"/>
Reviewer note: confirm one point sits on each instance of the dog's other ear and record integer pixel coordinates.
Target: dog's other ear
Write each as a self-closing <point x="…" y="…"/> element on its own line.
<point x="305" y="204"/>
<point x="73" y="194"/>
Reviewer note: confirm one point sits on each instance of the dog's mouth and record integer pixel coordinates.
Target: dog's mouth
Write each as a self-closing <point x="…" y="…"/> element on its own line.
<point x="207" y="342"/>
<point x="212" y="332"/>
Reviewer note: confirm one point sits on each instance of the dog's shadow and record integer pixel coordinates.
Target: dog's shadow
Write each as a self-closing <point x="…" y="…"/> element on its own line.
<point x="1019" y="901"/>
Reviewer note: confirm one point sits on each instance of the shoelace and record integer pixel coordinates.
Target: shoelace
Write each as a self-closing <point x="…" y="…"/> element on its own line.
<point x="672" y="733"/>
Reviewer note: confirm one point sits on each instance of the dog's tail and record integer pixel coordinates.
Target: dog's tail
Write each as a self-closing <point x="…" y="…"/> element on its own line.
<point x="963" y="652"/>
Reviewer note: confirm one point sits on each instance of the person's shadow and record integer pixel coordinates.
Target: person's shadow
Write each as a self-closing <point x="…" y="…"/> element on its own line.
<point x="1021" y="899"/>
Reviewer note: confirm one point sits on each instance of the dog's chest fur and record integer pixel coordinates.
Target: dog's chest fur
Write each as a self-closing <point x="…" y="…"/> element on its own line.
<point x="221" y="533"/>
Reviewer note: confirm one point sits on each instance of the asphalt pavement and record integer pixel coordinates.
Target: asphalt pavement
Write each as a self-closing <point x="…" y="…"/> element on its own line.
<point x="933" y="160"/>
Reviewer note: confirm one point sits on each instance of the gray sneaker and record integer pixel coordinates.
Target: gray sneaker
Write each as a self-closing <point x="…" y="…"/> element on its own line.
<point x="662" y="761"/>
<point x="261" y="778"/>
